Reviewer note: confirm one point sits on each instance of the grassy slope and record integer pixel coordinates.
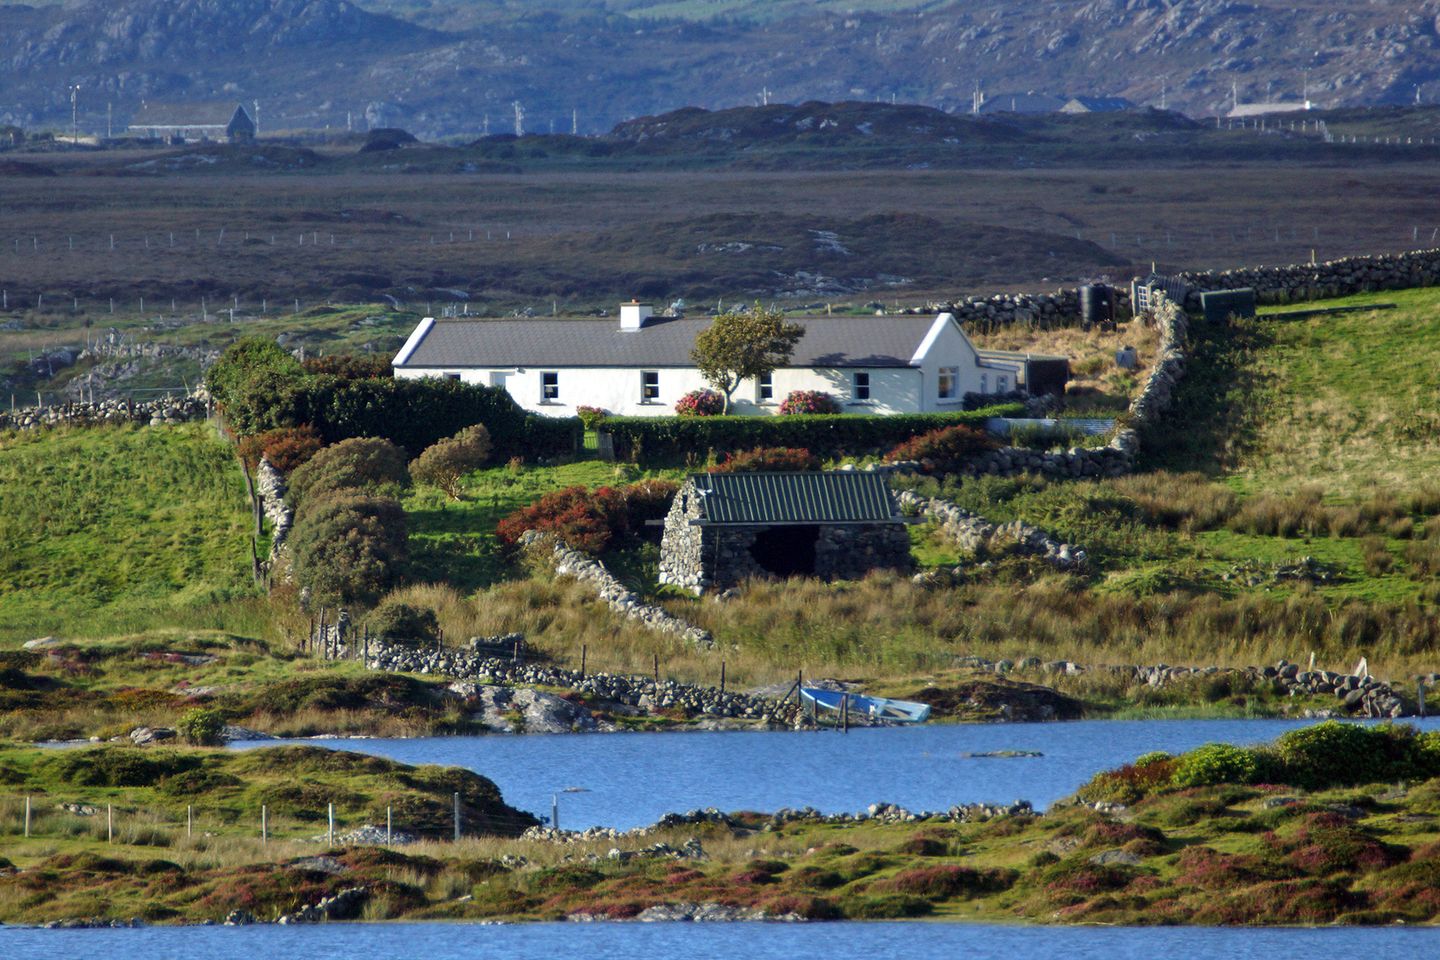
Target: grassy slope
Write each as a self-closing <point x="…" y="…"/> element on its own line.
<point x="118" y="529"/>
<point x="1225" y="854"/>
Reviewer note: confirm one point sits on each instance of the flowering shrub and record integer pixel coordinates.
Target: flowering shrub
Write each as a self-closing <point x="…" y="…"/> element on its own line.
<point x="591" y="417"/>
<point x="809" y="401"/>
<point x="700" y="403"/>
<point x="943" y="451"/>
<point x="769" y="458"/>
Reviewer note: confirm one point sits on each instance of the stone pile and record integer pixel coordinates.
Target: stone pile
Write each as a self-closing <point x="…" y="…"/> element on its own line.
<point x="624" y="601"/>
<point x="640" y="692"/>
<point x="976" y="534"/>
<point x="345" y="905"/>
<point x="1322" y="281"/>
<point x="688" y="913"/>
<point x="154" y="412"/>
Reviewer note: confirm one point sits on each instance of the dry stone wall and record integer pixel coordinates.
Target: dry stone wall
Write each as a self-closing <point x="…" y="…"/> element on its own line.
<point x="156" y="412"/>
<point x="974" y="533"/>
<point x="1319" y="281"/>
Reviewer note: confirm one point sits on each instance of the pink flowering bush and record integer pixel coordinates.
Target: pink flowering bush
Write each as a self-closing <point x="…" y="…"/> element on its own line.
<point x="809" y="401"/>
<point x="700" y="403"/>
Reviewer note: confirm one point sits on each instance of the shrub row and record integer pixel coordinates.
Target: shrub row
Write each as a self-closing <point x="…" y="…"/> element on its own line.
<point x="824" y="435"/>
<point x="1329" y="754"/>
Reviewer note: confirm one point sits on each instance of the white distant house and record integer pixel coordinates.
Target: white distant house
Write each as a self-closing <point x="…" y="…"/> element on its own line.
<point x="641" y="365"/>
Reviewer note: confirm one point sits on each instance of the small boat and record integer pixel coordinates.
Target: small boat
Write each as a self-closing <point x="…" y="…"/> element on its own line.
<point x="876" y="708"/>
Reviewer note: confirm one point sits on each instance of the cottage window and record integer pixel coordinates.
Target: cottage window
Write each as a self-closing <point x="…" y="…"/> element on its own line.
<point x="549" y="386"/>
<point x="451" y="376"/>
<point x="1002" y="384"/>
<point x="984" y="384"/>
<point x="860" y="386"/>
<point x="649" y="386"/>
<point x="949" y="378"/>
<point x="765" y="388"/>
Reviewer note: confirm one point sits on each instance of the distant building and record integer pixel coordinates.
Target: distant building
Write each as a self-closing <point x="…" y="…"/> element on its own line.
<point x="190" y="122"/>
<point x="1030" y="102"/>
<point x="1243" y="110"/>
<point x="1097" y="105"/>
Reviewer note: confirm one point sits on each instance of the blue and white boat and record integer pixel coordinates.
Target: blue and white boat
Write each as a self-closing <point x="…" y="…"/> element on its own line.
<point x="875" y="708"/>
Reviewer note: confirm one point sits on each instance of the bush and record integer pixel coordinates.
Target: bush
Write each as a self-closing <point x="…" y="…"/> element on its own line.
<point x="1216" y="763"/>
<point x="591" y="417"/>
<point x="243" y="367"/>
<point x="201" y="727"/>
<point x="362" y="463"/>
<point x="700" y="403"/>
<point x="401" y="622"/>
<point x="825" y="436"/>
<point x="1336" y="754"/>
<point x="648" y="500"/>
<point x="813" y="402"/>
<point x="444" y="463"/>
<point x="585" y="519"/>
<point x="769" y="458"/>
<point x="348" y="546"/>
<point x="285" y="448"/>
<point x="947" y="450"/>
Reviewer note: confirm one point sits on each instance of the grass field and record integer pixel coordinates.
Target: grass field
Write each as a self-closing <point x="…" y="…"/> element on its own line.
<point x="121" y="529"/>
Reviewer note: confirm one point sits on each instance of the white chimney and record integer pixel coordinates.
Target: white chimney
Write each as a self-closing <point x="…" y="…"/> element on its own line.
<point x="634" y="315"/>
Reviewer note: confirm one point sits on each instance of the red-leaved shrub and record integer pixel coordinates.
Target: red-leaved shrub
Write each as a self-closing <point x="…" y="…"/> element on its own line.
<point x="585" y="519"/>
<point x="285" y="448"/>
<point x="945" y="450"/>
<point x="768" y="459"/>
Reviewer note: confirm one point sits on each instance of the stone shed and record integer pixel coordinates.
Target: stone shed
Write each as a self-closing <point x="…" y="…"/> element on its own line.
<point x="725" y="527"/>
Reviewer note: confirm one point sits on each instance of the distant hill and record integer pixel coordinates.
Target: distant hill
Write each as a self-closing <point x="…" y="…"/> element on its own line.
<point x="457" y="67"/>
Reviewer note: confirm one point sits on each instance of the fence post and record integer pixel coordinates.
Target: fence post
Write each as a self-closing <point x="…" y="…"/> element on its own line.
<point x="388" y="825"/>
<point x="1420" y="695"/>
<point x="331" y="833"/>
<point x="109" y="823"/>
<point x="555" y="811"/>
<point x="189" y="820"/>
<point x="264" y="825"/>
<point x="722" y="676"/>
<point x="457" y="815"/>
<point x="584" y="650"/>
<point x="656" y="658"/>
<point x="27" y="817"/>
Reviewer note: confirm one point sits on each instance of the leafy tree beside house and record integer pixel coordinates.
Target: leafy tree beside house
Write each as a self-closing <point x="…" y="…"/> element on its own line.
<point x="741" y="345"/>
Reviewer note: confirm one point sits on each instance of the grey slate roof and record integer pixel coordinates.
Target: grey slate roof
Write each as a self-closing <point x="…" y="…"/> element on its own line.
<point x="765" y="498"/>
<point x="828" y="342"/>
<point x="210" y="114"/>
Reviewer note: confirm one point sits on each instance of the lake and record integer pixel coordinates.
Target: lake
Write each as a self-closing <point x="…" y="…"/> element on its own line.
<point x="752" y="941"/>
<point x="627" y="780"/>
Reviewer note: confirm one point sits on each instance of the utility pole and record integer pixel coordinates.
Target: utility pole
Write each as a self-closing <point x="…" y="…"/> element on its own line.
<point x="110" y="121"/>
<point x="575" y="117"/>
<point x="74" y="114"/>
<point x="519" y="119"/>
<point x="257" y="117"/>
<point x="1164" y="89"/>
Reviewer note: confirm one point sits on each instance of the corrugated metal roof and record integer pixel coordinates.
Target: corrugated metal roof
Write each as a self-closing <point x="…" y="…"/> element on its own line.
<point x="828" y="342"/>
<point x="837" y="497"/>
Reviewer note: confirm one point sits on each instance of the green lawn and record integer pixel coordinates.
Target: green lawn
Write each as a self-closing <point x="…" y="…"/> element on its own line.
<point x="110" y="530"/>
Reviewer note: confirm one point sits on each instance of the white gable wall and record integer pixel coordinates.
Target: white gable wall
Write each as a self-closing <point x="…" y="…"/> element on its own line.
<point x="946" y="345"/>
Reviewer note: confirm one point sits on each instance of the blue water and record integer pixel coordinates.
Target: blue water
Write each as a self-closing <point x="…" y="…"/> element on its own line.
<point x="631" y="779"/>
<point x="681" y="941"/>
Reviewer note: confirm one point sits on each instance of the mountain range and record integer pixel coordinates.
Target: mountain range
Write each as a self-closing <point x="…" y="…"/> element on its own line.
<point x="460" y="67"/>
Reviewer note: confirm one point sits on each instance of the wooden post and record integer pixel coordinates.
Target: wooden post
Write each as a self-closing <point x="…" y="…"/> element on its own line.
<point x="388" y="824"/>
<point x="109" y="823"/>
<point x="457" y="815"/>
<point x="845" y="713"/>
<point x="27" y="817"/>
<point x="331" y="834"/>
<point x="584" y="651"/>
<point x="189" y="820"/>
<point x="656" y="657"/>
<point x="722" y="676"/>
<point x="1420" y="696"/>
<point x="555" y="811"/>
<point x="515" y="652"/>
<point x="264" y="825"/>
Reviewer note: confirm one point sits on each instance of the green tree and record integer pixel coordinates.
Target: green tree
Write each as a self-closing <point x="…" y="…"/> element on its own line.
<point x="348" y="547"/>
<point x="244" y="365"/>
<point x="738" y="346"/>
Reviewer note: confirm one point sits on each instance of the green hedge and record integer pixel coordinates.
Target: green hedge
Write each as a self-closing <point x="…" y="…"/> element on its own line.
<point x="411" y="413"/>
<point x="822" y="434"/>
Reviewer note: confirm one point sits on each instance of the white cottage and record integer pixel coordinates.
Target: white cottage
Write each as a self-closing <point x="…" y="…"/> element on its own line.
<point x="641" y="366"/>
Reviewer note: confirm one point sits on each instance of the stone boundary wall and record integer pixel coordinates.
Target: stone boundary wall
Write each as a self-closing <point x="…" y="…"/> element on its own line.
<point x="1362" y="695"/>
<point x="156" y="412"/>
<point x="973" y="532"/>
<point x="632" y="691"/>
<point x="270" y="486"/>
<point x="586" y="569"/>
<point x="1298" y="283"/>
<point x="105" y="350"/>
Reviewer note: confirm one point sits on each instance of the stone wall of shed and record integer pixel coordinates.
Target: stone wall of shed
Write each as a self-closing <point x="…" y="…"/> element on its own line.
<point x="850" y="552"/>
